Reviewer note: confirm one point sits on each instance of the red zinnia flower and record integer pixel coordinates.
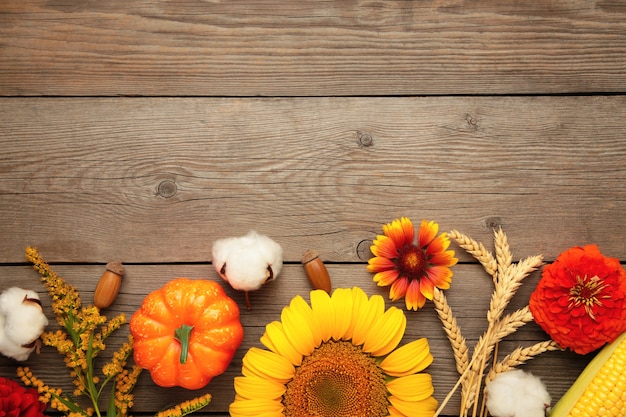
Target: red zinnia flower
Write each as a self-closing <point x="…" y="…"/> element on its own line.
<point x="580" y="300"/>
<point x="18" y="401"/>
<point x="412" y="270"/>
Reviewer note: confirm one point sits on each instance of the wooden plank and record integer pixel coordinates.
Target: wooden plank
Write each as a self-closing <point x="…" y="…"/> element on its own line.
<point x="153" y="48"/>
<point x="158" y="180"/>
<point x="557" y="369"/>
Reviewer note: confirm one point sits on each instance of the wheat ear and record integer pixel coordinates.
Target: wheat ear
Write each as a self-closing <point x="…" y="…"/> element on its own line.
<point x="453" y="331"/>
<point x="477" y="250"/>
<point x="520" y="356"/>
<point x="503" y="251"/>
<point x="508" y="284"/>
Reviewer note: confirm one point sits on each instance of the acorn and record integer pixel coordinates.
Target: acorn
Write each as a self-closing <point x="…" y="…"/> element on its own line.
<point x="109" y="285"/>
<point x="316" y="271"/>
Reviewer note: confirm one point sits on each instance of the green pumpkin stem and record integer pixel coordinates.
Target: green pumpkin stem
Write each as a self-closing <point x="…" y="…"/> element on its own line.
<point x="182" y="334"/>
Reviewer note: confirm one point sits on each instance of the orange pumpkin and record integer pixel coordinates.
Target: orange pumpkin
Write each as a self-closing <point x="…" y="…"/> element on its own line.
<point x="186" y="333"/>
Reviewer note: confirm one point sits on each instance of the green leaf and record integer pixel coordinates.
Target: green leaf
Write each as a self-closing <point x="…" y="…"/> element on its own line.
<point x="111" y="410"/>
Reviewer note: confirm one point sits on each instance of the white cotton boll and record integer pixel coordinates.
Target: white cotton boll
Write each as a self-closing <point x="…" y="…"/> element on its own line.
<point x="249" y="261"/>
<point x="11" y="349"/>
<point x="517" y="394"/>
<point x="22" y="321"/>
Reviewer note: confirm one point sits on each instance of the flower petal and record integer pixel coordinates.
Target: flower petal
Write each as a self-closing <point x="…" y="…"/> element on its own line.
<point x="342" y="305"/>
<point x="386" y="333"/>
<point x="370" y="312"/>
<point x="277" y="341"/>
<point x="385" y="278"/>
<point x="414" y="387"/>
<point x="445" y="258"/>
<point x="440" y="276"/>
<point x="380" y="263"/>
<point x="297" y="331"/>
<point x="398" y="288"/>
<point x="408" y="359"/>
<point x="306" y="312"/>
<point x="427" y="232"/>
<point x="424" y="408"/>
<point x="400" y="231"/>
<point x="323" y="309"/>
<point x="256" y="408"/>
<point x="385" y="247"/>
<point x="427" y="288"/>
<point x="359" y="300"/>
<point x="393" y="412"/>
<point x="266" y="364"/>
<point x="414" y="299"/>
<point x="438" y="244"/>
<point x="250" y="387"/>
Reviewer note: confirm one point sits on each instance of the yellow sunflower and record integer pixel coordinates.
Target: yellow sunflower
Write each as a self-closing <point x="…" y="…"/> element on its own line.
<point x="412" y="269"/>
<point x="337" y="357"/>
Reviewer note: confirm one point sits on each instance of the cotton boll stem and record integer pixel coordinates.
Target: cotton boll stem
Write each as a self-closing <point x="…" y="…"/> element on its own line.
<point x="248" y="306"/>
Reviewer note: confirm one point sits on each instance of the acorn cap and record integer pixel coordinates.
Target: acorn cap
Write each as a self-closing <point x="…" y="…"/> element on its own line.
<point x="115" y="267"/>
<point x="309" y="255"/>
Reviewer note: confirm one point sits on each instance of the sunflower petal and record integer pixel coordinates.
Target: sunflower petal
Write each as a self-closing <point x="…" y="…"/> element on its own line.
<point x="393" y="412"/>
<point x="414" y="387"/>
<point x="370" y="312"/>
<point x="386" y="333"/>
<point x="266" y="364"/>
<point x="306" y="312"/>
<point x="408" y="359"/>
<point x="250" y="387"/>
<point x="277" y="341"/>
<point x="342" y="304"/>
<point x="255" y="408"/>
<point x="323" y="309"/>
<point x="359" y="299"/>
<point x="297" y="331"/>
<point x="424" y="408"/>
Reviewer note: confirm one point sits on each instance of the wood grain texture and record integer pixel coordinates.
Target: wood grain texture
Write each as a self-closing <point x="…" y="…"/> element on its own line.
<point x="158" y="180"/>
<point x="207" y="48"/>
<point x="143" y="131"/>
<point x="557" y="369"/>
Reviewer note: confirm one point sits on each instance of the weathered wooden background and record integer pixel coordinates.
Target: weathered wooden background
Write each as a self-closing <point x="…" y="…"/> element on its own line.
<point x="145" y="130"/>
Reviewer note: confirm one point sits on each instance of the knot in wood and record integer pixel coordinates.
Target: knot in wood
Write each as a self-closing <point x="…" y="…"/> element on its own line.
<point x="167" y="189"/>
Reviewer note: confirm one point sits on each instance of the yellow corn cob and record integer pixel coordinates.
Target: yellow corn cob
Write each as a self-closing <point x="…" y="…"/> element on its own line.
<point x="600" y="390"/>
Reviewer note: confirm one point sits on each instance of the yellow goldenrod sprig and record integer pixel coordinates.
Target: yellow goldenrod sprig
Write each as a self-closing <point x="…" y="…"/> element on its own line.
<point x="186" y="407"/>
<point x="82" y="337"/>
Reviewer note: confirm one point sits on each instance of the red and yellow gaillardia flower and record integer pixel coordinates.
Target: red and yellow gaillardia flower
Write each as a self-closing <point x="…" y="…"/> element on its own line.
<point x="338" y="356"/>
<point x="412" y="269"/>
<point x="580" y="300"/>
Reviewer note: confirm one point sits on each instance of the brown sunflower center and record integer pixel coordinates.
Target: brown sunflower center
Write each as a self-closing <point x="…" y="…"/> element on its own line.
<point x="411" y="261"/>
<point x="337" y="379"/>
<point x="587" y="292"/>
